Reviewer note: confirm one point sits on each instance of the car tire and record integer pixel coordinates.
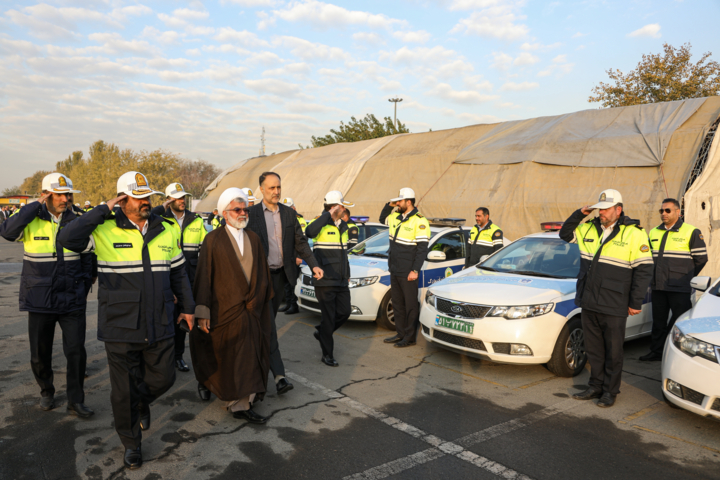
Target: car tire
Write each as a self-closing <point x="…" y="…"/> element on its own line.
<point x="569" y="356"/>
<point x="385" y="317"/>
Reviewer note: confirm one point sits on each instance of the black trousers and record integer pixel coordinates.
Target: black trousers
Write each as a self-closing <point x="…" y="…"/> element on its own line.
<point x="335" y="311"/>
<point x="662" y="304"/>
<point x="41" y="330"/>
<point x="279" y="279"/>
<point x="290" y="297"/>
<point x="139" y="373"/>
<point x="180" y="335"/>
<point x="406" y="309"/>
<point x="604" y="340"/>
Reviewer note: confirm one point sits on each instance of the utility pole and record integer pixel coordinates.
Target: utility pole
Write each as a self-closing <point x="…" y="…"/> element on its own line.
<point x="395" y="101"/>
<point x="262" y="143"/>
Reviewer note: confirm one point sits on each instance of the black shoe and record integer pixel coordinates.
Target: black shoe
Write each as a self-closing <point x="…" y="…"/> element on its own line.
<point x="203" y="392"/>
<point x="316" y="334"/>
<point x="329" y="361"/>
<point x="181" y="365"/>
<point x="587" y="394"/>
<point x="284" y="308"/>
<point x="80" y="410"/>
<point x="250" y="416"/>
<point x="133" y="458"/>
<point x="606" y="400"/>
<point x="292" y="310"/>
<point x="47" y="403"/>
<point x="651" y="357"/>
<point x="394" y="339"/>
<point x="404" y="343"/>
<point x="283" y="386"/>
<point x="145" y="417"/>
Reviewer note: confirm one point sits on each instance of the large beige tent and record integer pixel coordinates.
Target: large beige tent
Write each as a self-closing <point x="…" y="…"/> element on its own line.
<point x="526" y="172"/>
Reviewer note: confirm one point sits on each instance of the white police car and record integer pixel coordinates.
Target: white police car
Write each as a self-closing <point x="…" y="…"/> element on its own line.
<point x="370" y="278"/>
<point x="517" y="306"/>
<point x="691" y="360"/>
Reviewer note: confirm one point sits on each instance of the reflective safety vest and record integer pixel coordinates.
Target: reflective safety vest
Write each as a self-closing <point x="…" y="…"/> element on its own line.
<point x="353" y="234"/>
<point x="54" y="279"/>
<point x="614" y="274"/>
<point x="409" y="239"/>
<point x="483" y="241"/>
<point x="87" y="209"/>
<point x="330" y="250"/>
<point x="302" y="222"/>
<point x="680" y="253"/>
<point x="139" y="275"/>
<point x="216" y="221"/>
<point x="191" y="237"/>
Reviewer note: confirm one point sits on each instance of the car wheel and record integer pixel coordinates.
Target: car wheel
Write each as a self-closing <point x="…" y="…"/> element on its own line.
<point x="386" y="315"/>
<point x="569" y="356"/>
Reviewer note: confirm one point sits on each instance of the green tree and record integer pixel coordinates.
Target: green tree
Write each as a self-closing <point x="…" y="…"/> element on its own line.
<point x="12" y="191"/>
<point x="661" y="78"/>
<point x="196" y="175"/>
<point x="357" y="130"/>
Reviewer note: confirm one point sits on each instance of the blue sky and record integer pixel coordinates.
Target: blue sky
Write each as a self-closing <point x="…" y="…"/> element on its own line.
<point x="202" y="78"/>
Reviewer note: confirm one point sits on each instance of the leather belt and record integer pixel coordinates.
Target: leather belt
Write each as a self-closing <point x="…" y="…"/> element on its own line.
<point x="273" y="271"/>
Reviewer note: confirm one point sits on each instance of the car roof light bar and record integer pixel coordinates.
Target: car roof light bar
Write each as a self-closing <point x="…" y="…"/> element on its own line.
<point x="551" y="226"/>
<point x="360" y="219"/>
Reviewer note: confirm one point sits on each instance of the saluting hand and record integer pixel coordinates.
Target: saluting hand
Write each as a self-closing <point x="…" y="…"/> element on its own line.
<point x="111" y="203"/>
<point x="167" y="202"/>
<point x="44" y="197"/>
<point x="586" y="210"/>
<point x="336" y="211"/>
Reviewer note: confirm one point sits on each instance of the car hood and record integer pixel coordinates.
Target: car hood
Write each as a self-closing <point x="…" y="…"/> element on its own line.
<point x="362" y="266"/>
<point x="706" y="329"/>
<point x="495" y="288"/>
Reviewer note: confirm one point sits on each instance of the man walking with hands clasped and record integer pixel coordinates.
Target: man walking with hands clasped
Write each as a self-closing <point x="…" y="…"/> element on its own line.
<point x="409" y="236"/>
<point x="615" y="270"/>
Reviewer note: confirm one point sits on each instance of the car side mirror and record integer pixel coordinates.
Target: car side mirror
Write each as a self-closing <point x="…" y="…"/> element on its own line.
<point x="435" y="256"/>
<point x="484" y="257"/>
<point x="701" y="283"/>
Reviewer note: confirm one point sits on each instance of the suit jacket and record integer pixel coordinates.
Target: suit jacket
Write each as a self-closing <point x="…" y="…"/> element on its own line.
<point x="294" y="242"/>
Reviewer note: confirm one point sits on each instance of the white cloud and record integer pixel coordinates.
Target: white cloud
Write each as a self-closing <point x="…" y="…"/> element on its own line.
<point x="369" y="38"/>
<point x="518" y="87"/>
<point x="498" y="21"/>
<point x="273" y="86"/>
<point x="299" y="68"/>
<point x="182" y="17"/>
<point x="446" y="92"/>
<point x="533" y="47"/>
<point x="419" y="36"/>
<point x="472" y="4"/>
<point x="407" y="56"/>
<point x="114" y="43"/>
<point x="525" y="58"/>
<point x="250" y="3"/>
<point x="325" y="15"/>
<point x="50" y="23"/>
<point x="559" y="66"/>
<point x="306" y="107"/>
<point x="166" y="38"/>
<point x="501" y="61"/>
<point x="243" y="38"/>
<point x="578" y="35"/>
<point x="652" y="31"/>
<point x="306" y="50"/>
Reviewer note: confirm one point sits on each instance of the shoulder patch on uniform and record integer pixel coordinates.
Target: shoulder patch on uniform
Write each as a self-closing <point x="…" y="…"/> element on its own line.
<point x="422" y="227"/>
<point x="644" y="248"/>
<point x="701" y="237"/>
<point x="497" y="234"/>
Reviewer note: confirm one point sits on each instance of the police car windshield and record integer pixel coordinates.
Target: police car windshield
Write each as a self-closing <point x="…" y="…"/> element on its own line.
<point x="537" y="256"/>
<point x="375" y="246"/>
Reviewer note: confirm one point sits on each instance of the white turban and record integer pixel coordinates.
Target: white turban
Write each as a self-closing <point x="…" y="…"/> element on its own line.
<point x="228" y="196"/>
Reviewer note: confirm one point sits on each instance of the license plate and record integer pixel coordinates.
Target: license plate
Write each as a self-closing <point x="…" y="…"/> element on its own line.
<point x="308" y="292"/>
<point x="459" y="325"/>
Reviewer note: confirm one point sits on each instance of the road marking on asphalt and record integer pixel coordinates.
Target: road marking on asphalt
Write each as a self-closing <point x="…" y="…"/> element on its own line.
<point x="642" y="412"/>
<point x="439" y="446"/>
<point x="644" y="429"/>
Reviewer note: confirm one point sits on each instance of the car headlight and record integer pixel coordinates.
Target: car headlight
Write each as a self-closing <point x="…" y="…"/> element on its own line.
<point x="692" y="346"/>
<point x="514" y="313"/>
<point x="429" y="298"/>
<point x="361" y="282"/>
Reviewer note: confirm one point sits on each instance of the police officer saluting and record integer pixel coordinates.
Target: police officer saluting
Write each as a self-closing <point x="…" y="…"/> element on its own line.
<point x="353" y="231"/>
<point x="679" y="252"/>
<point x="615" y="270"/>
<point x="53" y="290"/>
<point x="141" y="269"/>
<point x="485" y="238"/>
<point x="409" y="236"/>
<point x="192" y="233"/>
<point x="330" y="236"/>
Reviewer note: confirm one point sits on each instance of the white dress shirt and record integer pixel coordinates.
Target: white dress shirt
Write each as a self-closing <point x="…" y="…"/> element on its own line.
<point x="607" y="231"/>
<point x="237" y="234"/>
<point x="143" y="230"/>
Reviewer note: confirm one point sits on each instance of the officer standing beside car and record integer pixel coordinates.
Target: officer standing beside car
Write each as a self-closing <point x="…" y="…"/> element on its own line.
<point x="616" y="267"/>
<point x="409" y="236"/>
<point x="53" y="290"/>
<point x="485" y="238"/>
<point x="679" y="252"/>
<point x="141" y="270"/>
<point x="192" y="233"/>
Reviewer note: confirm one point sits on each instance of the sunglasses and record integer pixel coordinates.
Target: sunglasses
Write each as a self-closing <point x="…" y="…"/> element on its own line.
<point x="665" y="210"/>
<point x="237" y="210"/>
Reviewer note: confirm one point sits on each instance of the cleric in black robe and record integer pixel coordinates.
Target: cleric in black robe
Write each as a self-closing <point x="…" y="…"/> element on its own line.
<point x="231" y="348"/>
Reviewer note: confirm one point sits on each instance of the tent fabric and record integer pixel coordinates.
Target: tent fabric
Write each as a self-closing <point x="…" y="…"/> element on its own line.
<point x="702" y="207"/>
<point x="634" y="136"/>
<point x="519" y="195"/>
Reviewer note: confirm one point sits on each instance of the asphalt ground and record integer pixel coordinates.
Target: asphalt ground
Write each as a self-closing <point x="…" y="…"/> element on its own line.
<point x="413" y="413"/>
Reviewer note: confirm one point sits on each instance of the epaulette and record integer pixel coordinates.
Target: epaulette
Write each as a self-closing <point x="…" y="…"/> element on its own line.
<point x="299" y="215"/>
<point x="419" y="215"/>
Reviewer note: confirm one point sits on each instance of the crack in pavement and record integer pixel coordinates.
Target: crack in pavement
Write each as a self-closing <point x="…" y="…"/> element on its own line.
<point x="355" y="382"/>
<point x="643" y="376"/>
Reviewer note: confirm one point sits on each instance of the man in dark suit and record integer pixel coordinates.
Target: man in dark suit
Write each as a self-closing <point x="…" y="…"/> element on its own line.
<point x="283" y="241"/>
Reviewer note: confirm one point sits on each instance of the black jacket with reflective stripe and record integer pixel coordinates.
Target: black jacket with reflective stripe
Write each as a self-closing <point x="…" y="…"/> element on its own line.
<point x="49" y="286"/>
<point x="333" y="259"/>
<point x="403" y="258"/>
<point x="673" y="272"/>
<point x="135" y="306"/>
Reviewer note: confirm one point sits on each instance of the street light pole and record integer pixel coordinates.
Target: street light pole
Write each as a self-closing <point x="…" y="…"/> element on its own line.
<point x="395" y="101"/>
